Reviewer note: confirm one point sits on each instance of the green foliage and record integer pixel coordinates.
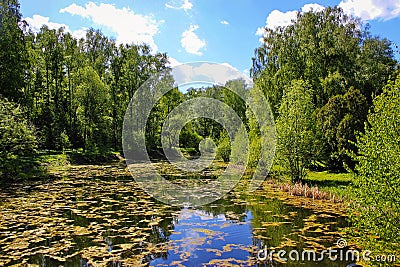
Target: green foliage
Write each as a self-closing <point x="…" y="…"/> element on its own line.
<point x="296" y="130"/>
<point x="91" y="94"/>
<point x="233" y="100"/>
<point x="159" y="114"/>
<point x="377" y="184"/>
<point x="254" y="134"/>
<point x="64" y="141"/>
<point x="333" y="52"/>
<point x="208" y="145"/>
<point x="17" y="139"/>
<point x="224" y="147"/>
<point x="240" y="149"/>
<point x="13" y="54"/>
<point x="189" y="138"/>
<point x="76" y="91"/>
<point x="339" y="120"/>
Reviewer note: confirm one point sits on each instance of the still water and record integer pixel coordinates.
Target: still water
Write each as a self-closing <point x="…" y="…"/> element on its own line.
<point x="101" y="218"/>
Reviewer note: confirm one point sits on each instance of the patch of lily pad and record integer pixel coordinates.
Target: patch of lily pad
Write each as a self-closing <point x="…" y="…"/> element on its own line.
<point x="98" y="216"/>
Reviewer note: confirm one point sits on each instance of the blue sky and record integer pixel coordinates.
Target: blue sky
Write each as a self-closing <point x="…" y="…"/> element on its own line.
<point x="220" y="31"/>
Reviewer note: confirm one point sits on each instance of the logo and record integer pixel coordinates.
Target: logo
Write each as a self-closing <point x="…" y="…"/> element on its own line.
<point x="139" y="114"/>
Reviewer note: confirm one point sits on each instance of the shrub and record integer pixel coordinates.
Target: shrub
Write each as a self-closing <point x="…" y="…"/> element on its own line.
<point x="377" y="184"/>
<point x="17" y="140"/>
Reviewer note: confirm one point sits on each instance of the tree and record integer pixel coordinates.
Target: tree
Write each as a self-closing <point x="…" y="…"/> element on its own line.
<point x="13" y="60"/>
<point x="317" y="45"/>
<point x="224" y="147"/>
<point x="339" y="120"/>
<point x="92" y="96"/>
<point x="254" y="130"/>
<point x="17" y="138"/>
<point x="333" y="52"/>
<point x="377" y="183"/>
<point x="296" y="130"/>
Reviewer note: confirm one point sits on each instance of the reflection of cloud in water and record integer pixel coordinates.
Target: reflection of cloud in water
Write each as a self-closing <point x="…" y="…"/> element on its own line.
<point x="194" y="230"/>
<point x="191" y="237"/>
<point x="186" y="214"/>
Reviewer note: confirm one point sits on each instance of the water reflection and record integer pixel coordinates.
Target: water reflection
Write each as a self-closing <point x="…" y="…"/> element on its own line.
<point x="109" y="221"/>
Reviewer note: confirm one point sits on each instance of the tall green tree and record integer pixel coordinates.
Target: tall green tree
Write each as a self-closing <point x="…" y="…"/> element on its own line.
<point x="13" y="54"/>
<point x="92" y="96"/>
<point x="339" y="120"/>
<point x="296" y="130"/>
<point x="377" y="184"/>
<point x="333" y="52"/>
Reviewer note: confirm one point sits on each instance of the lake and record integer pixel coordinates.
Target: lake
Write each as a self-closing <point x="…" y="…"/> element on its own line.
<point x="98" y="216"/>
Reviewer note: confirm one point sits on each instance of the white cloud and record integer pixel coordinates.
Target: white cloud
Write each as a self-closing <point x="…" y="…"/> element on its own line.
<point x="207" y="72"/>
<point x="37" y="21"/>
<point x="312" y="7"/>
<point x="74" y="9"/>
<point x="191" y="42"/>
<point x="282" y="19"/>
<point x="372" y="9"/>
<point x="128" y="26"/>
<point x="81" y="33"/>
<point x="260" y="31"/>
<point x="179" y="4"/>
<point x="365" y="9"/>
<point x="246" y="72"/>
<point x="173" y="62"/>
<point x="277" y="18"/>
<point x="224" y="22"/>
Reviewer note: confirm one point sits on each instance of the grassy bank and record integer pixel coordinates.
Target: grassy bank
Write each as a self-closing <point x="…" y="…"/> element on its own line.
<point x="317" y="184"/>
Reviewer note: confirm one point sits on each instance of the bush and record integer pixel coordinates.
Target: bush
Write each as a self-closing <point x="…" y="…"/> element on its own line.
<point x="224" y="148"/>
<point x="377" y="183"/>
<point x="17" y="140"/>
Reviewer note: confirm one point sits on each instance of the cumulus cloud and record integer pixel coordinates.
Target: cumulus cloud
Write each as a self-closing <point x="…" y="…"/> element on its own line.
<point x="206" y="72"/>
<point x="246" y="72"/>
<point x="224" y="22"/>
<point x="173" y="62"/>
<point x="176" y="4"/>
<point x="81" y="33"/>
<point x="312" y="7"/>
<point x="37" y="21"/>
<point x="278" y="18"/>
<point x="364" y="9"/>
<point x="191" y="42"/>
<point x="372" y="9"/>
<point x="126" y="24"/>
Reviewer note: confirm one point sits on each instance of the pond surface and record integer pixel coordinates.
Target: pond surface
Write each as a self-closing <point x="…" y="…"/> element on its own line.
<point x="97" y="216"/>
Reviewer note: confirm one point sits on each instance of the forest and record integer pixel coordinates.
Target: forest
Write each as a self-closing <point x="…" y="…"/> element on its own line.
<point x="332" y="85"/>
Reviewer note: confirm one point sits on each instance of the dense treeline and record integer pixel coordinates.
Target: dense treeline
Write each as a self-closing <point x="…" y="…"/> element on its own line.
<point x="331" y="85"/>
<point x="335" y="91"/>
<point x="75" y="92"/>
<point x="334" y="58"/>
<point x="377" y="186"/>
